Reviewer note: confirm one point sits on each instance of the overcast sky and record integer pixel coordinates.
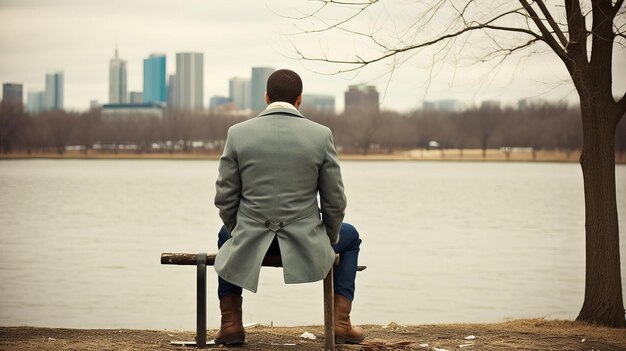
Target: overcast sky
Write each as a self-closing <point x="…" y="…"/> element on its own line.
<point x="80" y="37"/>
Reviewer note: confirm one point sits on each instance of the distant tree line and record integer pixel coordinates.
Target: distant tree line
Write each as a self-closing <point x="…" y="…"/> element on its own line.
<point x="545" y="126"/>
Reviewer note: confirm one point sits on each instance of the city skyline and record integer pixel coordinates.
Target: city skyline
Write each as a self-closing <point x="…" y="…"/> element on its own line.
<point x="154" y="84"/>
<point x="13" y="94"/>
<point x="187" y="86"/>
<point x="239" y="92"/>
<point x="258" y="80"/>
<point x="117" y="80"/>
<point x="54" y="93"/>
<point x="233" y="40"/>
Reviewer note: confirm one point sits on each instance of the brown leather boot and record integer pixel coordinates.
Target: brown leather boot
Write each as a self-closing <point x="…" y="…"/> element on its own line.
<point x="231" y="329"/>
<point x="345" y="333"/>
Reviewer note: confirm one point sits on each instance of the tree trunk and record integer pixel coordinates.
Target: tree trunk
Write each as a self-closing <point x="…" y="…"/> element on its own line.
<point x="603" y="302"/>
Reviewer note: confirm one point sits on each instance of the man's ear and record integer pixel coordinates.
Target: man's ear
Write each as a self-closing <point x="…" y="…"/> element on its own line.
<point x="267" y="98"/>
<point x="298" y="101"/>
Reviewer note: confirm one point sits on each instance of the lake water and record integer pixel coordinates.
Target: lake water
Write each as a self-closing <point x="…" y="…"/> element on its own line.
<point x="80" y="243"/>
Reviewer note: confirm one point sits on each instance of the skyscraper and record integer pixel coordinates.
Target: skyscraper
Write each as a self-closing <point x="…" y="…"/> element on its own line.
<point x="12" y="94"/>
<point x="189" y="82"/>
<point x="54" y="91"/>
<point x="154" y="89"/>
<point x="172" y="91"/>
<point x="136" y="97"/>
<point x="239" y="92"/>
<point x="320" y="103"/>
<point x="36" y="101"/>
<point x="258" y="83"/>
<point x="117" y="80"/>
<point x="490" y="104"/>
<point x="361" y="99"/>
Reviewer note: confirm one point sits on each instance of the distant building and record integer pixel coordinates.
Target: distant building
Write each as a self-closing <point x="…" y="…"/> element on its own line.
<point x="188" y="84"/>
<point x="117" y="80"/>
<point x="321" y="103"/>
<point x="154" y="89"/>
<point x="151" y="109"/>
<point x="490" y="104"/>
<point x="12" y="94"/>
<point x="527" y="103"/>
<point x="54" y="91"/>
<point x="172" y="91"/>
<point x="428" y="106"/>
<point x="447" y="105"/>
<point x="239" y="93"/>
<point x="136" y="97"/>
<point x="258" y="84"/>
<point x="36" y="102"/>
<point x="94" y="104"/>
<point x="221" y="103"/>
<point x="361" y="99"/>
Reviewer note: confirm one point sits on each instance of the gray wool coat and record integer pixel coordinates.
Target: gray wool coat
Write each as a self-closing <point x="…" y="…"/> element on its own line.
<point x="270" y="174"/>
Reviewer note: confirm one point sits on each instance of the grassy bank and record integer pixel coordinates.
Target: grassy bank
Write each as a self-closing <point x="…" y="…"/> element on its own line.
<point x="407" y="155"/>
<point x="536" y="334"/>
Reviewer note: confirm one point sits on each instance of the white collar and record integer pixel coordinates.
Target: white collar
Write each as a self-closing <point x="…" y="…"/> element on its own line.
<point x="281" y="104"/>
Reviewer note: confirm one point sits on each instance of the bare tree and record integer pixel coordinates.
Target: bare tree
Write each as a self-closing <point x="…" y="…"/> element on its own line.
<point x="364" y="129"/>
<point x="12" y="121"/>
<point x="60" y="126"/>
<point x="586" y="52"/>
<point x="566" y="125"/>
<point x="88" y="123"/>
<point x="394" y="133"/>
<point x="483" y="123"/>
<point x="423" y="126"/>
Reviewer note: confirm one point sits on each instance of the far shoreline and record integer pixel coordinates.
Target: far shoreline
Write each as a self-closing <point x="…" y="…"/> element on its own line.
<point x="454" y="155"/>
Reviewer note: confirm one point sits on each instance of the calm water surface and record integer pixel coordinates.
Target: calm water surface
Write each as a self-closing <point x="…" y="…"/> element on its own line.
<point x="444" y="242"/>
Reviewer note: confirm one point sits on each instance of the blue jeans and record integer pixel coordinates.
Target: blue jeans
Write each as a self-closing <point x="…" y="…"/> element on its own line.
<point x="344" y="275"/>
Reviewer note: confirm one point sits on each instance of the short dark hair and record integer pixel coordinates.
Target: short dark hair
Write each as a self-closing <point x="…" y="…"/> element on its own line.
<point x="284" y="85"/>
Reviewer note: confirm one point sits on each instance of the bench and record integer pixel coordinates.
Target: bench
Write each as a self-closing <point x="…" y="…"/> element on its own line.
<point x="202" y="260"/>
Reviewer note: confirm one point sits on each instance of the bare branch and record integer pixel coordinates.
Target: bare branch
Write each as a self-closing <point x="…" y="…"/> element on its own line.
<point x="513" y="29"/>
<point x="357" y="3"/>
<point x="510" y="51"/>
<point x="337" y="24"/>
<point x="304" y="16"/>
<point x="368" y="36"/>
<point x="429" y="14"/>
<point x="552" y="23"/>
<point x="547" y="36"/>
<point x="362" y="6"/>
<point x="360" y="62"/>
<point x="577" y="30"/>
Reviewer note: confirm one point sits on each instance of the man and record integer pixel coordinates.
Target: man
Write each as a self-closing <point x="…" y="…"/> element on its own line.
<point x="270" y="174"/>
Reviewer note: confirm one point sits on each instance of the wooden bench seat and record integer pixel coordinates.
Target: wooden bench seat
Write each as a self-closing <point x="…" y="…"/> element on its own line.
<point x="202" y="260"/>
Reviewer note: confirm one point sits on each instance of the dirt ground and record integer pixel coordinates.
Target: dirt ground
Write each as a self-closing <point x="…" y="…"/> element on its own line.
<point x="534" y="334"/>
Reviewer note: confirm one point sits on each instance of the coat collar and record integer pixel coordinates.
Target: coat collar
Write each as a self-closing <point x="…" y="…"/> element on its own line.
<point x="281" y="111"/>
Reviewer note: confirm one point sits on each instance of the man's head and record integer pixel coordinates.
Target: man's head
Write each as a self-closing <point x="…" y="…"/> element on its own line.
<point x="284" y="85"/>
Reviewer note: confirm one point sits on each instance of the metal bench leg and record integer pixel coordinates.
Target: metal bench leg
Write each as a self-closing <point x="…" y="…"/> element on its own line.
<point x="201" y="302"/>
<point x="329" y="312"/>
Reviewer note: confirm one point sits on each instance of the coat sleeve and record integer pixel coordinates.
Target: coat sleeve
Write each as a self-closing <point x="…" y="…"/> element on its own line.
<point x="330" y="186"/>
<point x="228" y="185"/>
